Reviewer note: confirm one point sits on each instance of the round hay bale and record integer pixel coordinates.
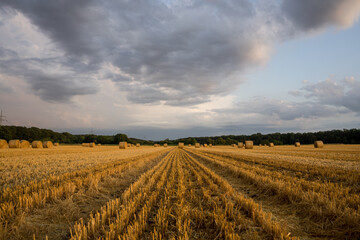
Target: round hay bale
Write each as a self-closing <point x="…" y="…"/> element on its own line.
<point x="181" y="145"/>
<point x="197" y="145"/>
<point x="318" y="144"/>
<point x="240" y="144"/>
<point x="205" y="145"/>
<point x="271" y="144"/>
<point x="165" y="144"/>
<point x="297" y="144"/>
<point x="24" y="144"/>
<point x="189" y="145"/>
<point x="138" y="145"/>
<point x="249" y="144"/>
<point x="56" y="144"/>
<point x="47" y="144"/>
<point x="3" y="144"/>
<point x="37" y="144"/>
<point x="233" y="145"/>
<point x="210" y="145"/>
<point x="85" y="144"/>
<point x="123" y="145"/>
<point x="99" y="144"/>
<point x="92" y="144"/>
<point x="14" y="143"/>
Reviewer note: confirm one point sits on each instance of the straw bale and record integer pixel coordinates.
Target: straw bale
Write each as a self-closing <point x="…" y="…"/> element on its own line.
<point x="24" y="144"/>
<point x="14" y="143"/>
<point x="47" y="144"/>
<point x="37" y="144"/>
<point x="3" y="144"/>
<point x="123" y="145"/>
<point x="318" y="144"/>
<point x="249" y="144"/>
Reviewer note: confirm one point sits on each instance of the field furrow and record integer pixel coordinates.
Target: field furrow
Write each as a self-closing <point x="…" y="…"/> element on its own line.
<point x="328" y="210"/>
<point x="180" y="193"/>
<point x="27" y="210"/>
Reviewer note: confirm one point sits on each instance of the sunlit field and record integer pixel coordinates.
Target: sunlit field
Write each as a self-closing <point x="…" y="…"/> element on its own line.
<point x="219" y="192"/>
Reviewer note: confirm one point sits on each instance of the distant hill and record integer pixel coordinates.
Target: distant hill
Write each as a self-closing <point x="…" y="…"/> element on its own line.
<point x="346" y="136"/>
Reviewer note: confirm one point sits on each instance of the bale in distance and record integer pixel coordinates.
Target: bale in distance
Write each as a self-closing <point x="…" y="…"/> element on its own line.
<point x="240" y="144"/>
<point x="99" y="144"/>
<point x="233" y="145"/>
<point x="56" y="144"/>
<point x="85" y="144"/>
<point x="318" y="144"/>
<point x="138" y="145"/>
<point x="181" y="145"/>
<point x="297" y="144"/>
<point x="92" y="144"/>
<point x="123" y="145"/>
<point x="37" y="144"/>
<point x="165" y="144"/>
<point x="271" y="144"/>
<point x="3" y="144"/>
<point x="249" y="144"/>
<point x="189" y="145"/>
<point x="14" y="143"/>
<point x="210" y="145"/>
<point x="47" y="144"/>
<point x="205" y="145"/>
<point x="24" y="144"/>
<point x="197" y="145"/>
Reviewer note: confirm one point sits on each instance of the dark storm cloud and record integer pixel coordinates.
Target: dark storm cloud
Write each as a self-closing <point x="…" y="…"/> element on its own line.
<point x="316" y="14"/>
<point x="178" y="54"/>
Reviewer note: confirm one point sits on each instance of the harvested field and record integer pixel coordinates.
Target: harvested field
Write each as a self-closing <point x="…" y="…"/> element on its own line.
<point x="71" y="192"/>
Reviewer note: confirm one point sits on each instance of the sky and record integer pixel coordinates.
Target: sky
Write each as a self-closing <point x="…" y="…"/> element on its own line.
<point x="157" y="69"/>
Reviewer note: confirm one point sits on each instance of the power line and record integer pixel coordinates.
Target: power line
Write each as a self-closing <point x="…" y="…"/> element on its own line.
<point x="2" y="118"/>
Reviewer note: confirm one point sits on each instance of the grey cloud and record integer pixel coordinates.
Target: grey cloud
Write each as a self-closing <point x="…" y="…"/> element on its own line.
<point x="316" y="14"/>
<point x="65" y="22"/>
<point x="49" y="87"/>
<point x="287" y="110"/>
<point x="57" y="88"/>
<point x="180" y="53"/>
<point x="323" y="99"/>
<point x="337" y="93"/>
<point x="4" y="88"/>
<point x="197" y="48"/>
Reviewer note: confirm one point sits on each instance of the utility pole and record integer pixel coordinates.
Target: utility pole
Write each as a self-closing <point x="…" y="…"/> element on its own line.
<point x="2" y="118"/>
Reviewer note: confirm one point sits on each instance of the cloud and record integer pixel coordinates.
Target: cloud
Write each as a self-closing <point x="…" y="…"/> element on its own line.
<point x="5" y="89"/>
<point x="174" y="53"/>
<point x="195" y="48"/>
<point x="337" y="93"/>
<point x="310" y="15"/>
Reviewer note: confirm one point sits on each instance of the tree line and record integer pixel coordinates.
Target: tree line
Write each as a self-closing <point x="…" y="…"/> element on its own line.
<point x="33" y="133"/>
<point x="346" y="136"/>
